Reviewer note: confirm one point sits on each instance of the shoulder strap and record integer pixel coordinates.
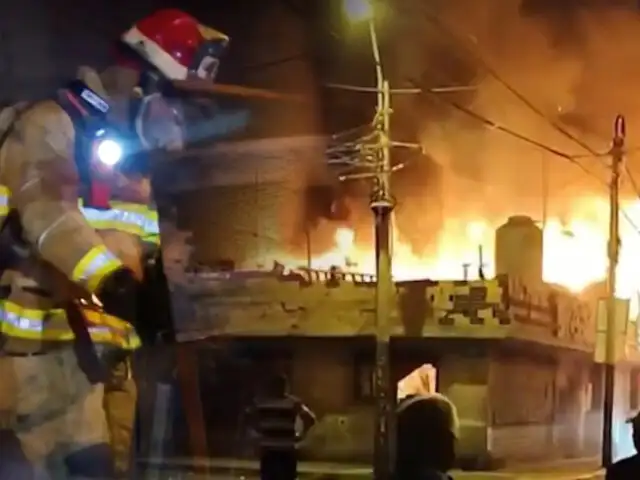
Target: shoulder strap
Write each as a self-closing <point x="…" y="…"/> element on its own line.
<point x="68" y="101"/>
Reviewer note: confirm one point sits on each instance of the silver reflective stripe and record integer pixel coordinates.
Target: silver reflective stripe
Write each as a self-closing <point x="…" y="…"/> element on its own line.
<point x="23" y="323"/>
<point x="101" y="260"/>
<point x="4" y="197"/>
<point x="35" y="325"/>
<point x="114" y="215"/>
<point x="151" y="227"/>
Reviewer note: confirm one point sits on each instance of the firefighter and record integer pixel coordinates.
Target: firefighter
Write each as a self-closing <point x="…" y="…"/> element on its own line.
<point x="132" y="228"/>
<point x="68" y="284"/>
<point x="280" y="421"/>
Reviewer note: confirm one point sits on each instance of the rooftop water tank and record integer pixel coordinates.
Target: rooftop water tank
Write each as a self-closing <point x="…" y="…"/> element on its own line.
<point x="518" y="249"/>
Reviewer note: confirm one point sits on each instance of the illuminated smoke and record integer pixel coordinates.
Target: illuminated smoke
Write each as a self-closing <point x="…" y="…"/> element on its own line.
<point x="579" y="65"/>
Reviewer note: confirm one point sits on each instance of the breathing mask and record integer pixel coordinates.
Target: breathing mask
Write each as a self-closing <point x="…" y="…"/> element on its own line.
<point x="158" y="121"/>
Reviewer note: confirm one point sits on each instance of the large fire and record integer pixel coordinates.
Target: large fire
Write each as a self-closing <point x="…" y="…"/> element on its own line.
<point x="575" y="251"/>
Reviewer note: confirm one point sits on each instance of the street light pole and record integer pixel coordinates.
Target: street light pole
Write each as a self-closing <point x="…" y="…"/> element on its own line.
<point x="617" y="153"/>
<point x="382" y="205"/>
<point x="376" y="157"/>
<point x="377" y="58"/>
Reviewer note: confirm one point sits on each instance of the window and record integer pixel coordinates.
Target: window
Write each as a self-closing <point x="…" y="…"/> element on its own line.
<point x="363" y="379"/>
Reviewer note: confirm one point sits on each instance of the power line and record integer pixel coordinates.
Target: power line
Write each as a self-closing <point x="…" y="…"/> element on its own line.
<point x="464" y="43"/>
<point x="635" y="186"/>
<point x="558" y="153"/>
<point x="495" y="126"/>
<point x="632" y="180"/>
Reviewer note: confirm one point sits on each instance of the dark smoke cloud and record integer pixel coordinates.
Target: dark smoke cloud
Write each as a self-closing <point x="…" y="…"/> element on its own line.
<point x="579" y="62"/>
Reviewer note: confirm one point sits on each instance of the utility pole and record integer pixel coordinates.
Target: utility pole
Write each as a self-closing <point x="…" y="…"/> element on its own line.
<point x="382" y="204"/>
<point x="374" y="154"/>
<point x="617" y="154"/>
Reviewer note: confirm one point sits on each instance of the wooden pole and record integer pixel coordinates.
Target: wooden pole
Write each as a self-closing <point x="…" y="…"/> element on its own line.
<point x="189" y="381"/>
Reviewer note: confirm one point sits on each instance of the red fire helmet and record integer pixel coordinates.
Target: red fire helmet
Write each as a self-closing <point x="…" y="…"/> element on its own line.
<point x="177" y="44"/>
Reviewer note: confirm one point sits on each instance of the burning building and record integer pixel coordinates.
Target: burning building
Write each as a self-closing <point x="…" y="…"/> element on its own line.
<point x="482" y="339"/>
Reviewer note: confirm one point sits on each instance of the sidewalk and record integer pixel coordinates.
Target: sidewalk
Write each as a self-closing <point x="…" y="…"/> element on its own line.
<point x="234" y="468"/>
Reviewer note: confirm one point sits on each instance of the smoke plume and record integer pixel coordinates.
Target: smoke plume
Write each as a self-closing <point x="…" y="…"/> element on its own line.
<point x="577" y="62"/>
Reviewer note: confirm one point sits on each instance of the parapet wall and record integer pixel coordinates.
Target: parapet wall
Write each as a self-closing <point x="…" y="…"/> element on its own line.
<point x="546" y="311"/>
<point x="314" y="303"/>
<point x="276" y="303"/>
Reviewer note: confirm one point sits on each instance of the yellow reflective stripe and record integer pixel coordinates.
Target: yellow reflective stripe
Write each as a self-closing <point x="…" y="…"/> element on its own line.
<point x="115" y="219"/>
<point x="150" y="215"/>
<point x="4" y="200"/>
<point x="26" y="323"/>
<point x="112" y="329"/>
<point x="127" y="333"/>
<point x="101" y="318"/>
<point x="94" y="266"/>
<point x="31" y="324"/>
<point x="130" y="218"/>
<point x="152" y="228"/>
<point x="155" y="239"/>
<point x="152" y="224"/>
<point x="130" y="207"/>
<point x="12" y="308"/>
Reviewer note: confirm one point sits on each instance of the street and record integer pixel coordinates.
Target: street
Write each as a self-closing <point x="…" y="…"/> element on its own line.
<point x="231" y="469"/>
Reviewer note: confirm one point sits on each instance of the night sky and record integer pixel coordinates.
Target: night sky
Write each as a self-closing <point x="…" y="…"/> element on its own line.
<point x="278" y="44"/>
<point x="576" y="60"/>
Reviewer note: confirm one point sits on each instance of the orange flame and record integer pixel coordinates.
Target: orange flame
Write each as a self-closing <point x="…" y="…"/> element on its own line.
<point x="574" y="256"/>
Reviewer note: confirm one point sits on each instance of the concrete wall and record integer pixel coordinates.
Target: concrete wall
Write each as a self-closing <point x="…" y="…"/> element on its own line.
<point x="521" y="406"/>
<point x="327" y="379"/>
<point x="548" y="417"/>
<point x="515" y="404"/>
<point x="464" y="379"/>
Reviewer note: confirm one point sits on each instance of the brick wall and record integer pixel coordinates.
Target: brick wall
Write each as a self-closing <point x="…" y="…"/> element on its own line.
<point x="248" y="224"/>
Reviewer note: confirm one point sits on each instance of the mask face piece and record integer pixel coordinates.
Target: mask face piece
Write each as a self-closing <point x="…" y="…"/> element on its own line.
<point x="159" y="123"/>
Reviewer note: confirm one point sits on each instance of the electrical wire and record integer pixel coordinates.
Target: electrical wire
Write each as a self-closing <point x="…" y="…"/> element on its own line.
<point x="636" y="189"/>
<point x="496" y="126"/>
<point x="632" y="180"/>
<point x="557" y="153"/>
<point x="464" y="43"/>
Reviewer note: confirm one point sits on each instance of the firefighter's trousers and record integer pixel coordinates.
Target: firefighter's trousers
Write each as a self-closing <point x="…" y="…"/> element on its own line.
<point x="60" y="421"/>
<point x="120" y="398"/>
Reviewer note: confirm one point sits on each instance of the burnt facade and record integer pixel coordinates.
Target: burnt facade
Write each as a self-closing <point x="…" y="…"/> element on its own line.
<point x="515" y="355"/>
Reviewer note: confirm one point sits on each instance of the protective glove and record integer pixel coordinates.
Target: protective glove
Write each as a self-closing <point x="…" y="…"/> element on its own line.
<point x="119" y="293"/>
